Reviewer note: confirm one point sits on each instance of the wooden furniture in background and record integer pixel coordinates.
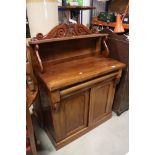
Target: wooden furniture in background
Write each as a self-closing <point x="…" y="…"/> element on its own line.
<point x="118" y="6"/>
<point x="77" y="9"/>
<point x="31" y="95"/>
<point x="76" y="80"/>
<point x="119" y="50"/>
<point x="109" y="24"/>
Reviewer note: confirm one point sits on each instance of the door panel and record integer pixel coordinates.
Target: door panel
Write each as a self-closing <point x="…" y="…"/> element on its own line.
<point x="72" y="116"/>
<point x="74" y="112"/>
<point x="101" y="99"/>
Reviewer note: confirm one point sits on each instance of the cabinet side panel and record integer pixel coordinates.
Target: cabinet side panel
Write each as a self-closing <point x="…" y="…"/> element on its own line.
<point x="46" y="108"/>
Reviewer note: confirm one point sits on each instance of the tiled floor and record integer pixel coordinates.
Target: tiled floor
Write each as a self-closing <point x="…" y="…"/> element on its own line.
<point x="110" y="138"/>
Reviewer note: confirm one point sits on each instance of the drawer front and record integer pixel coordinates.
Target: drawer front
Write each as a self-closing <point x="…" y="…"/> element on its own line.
<point x="72" y="115"/>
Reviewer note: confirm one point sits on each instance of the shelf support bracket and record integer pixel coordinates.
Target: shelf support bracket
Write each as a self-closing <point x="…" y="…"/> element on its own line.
<point x="38" y="58"/>
<point x="106" y="49"/>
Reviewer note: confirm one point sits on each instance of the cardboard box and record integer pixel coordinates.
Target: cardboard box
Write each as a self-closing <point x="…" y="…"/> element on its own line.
<point x="75" y="2"/>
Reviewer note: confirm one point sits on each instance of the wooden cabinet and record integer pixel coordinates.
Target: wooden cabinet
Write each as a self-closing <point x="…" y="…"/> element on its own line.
<point x="76" y="81"/>
<point x="119" y="50"/>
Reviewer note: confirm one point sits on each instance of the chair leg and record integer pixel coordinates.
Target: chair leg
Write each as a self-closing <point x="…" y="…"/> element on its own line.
<point x="31" y="132"/>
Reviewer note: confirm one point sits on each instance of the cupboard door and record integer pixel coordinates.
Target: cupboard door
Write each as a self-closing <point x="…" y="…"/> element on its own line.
<point x="72" y="116"/>
<point x="101" y="99"/>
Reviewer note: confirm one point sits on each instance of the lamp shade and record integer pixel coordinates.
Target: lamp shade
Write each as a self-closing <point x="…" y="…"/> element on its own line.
<point x="119" y="26"/>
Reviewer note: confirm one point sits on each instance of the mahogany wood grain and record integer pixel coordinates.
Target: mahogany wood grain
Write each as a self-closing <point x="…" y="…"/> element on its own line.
<point x="100" y="101"/>
<point x="33" y="42"/>
<point x="68" y="121"/>
<point x="78" y="81"/>
<point x="119" y="50"/>
<point x="30" y="132"/>
<point x="67" y="73"/>
<point x="86" y="84"/>
<point x="31" y="95"/>
<point x="62" y="50"/>
<point x="66" y="30"/>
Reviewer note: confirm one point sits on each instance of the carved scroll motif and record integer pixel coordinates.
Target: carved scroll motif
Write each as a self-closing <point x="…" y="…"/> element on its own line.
<point x="66" y="30"/>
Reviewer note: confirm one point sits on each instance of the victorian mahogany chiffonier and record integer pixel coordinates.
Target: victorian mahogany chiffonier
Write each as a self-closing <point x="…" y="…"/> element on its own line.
<point x="76" y="80"/>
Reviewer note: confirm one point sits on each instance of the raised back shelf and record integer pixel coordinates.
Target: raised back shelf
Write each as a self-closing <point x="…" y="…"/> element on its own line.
<point x="67" y="42"/>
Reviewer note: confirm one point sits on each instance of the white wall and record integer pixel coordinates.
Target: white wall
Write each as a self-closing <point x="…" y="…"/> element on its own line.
<point x="42" y="16"/>
<point x="86" y="14"/>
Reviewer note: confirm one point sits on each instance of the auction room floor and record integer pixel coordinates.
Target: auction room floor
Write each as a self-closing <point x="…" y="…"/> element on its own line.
<point x="110" y="138"/>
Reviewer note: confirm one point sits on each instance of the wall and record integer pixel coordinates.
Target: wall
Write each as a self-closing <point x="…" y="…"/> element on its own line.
<point x="42" y="15"/>
<point x="86" y="14"/>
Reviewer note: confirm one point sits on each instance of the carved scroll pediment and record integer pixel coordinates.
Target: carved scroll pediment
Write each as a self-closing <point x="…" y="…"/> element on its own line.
<point x="67" y="30"/>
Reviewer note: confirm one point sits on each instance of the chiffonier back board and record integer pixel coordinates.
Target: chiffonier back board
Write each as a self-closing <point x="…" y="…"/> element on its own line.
<point x="76" y="80"/>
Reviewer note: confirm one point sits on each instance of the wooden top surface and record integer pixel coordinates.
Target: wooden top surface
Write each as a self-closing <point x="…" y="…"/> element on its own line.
<point x="57" y="76"/>
<point x="66" y="38"/>
<point x="76" y="8"/>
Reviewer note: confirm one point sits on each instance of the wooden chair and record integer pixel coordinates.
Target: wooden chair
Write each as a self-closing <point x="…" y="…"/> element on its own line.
<point x="31" y="95"/>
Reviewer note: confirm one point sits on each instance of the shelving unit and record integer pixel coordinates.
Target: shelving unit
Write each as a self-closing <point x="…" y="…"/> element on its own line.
<point x="76" y="7"/>
<point x="118" y="6"/>
<point x="78" y="10"/>
<point x="110" y="24"/>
